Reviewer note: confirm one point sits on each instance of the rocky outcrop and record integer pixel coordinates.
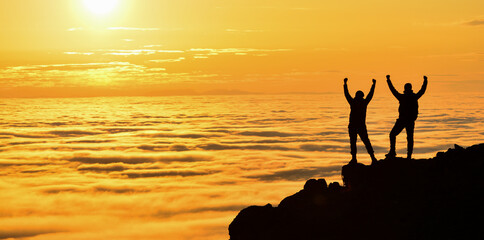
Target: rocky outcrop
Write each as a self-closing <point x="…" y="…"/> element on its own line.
<point x="437" y="198"/>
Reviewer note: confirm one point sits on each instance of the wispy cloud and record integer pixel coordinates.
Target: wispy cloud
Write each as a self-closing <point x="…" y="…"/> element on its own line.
<point x="25" y="233"/>
<point x="297" y="174"/>
<point x="216" y="146"/>
<point x="79" y="53"/>
<point x="72" y="29"/>
<point x="75" y="29"/>
<point x="69" y="66"/>
<point x="25" y="135"/>
<point x="268" y="134"/>
<point x="164" y="158"/>
<point x="204" y="53"/>
<point x="122" y="129"/>
<point x="165" y="173"/>
<point x="72" y="133"/>
<point x="116" y="167"/>
<point x="52" y="134"/>
<point x="133" y="29"/>
<point x="120" y="189"/>
<point x="128" y="52"/>
<point x="323" y="148"/>
<point x="17" y="162"/>
<point x="152" y="46"/>
<point x="167" y="60"/>
<point x="83" y="74"/>
<point x="474" y="22"/>
<point x="223" y="208"/>
<point x="180" y="135"/>
<point x="236" y="50"/>
<point x="478" y="21"/>
<point x="94" y="189"/>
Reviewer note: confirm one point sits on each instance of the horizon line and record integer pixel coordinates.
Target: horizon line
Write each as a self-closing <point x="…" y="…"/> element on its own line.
<point x="208" y="93"/>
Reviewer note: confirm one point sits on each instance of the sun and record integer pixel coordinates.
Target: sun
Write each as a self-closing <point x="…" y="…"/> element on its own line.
<point x="100" y="7"/>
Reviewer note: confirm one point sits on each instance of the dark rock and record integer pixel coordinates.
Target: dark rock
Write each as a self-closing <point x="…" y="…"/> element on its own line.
<point x="252" y="223"/>
<point x="334" y="187"/>
<point x="315" y="185"/>
<point x="437" y="198"/>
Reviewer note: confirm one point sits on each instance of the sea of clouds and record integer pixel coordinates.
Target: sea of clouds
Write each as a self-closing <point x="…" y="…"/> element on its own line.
<point x="182" y="167"/>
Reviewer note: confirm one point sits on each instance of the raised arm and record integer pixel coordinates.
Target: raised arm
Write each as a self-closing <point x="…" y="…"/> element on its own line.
<point x="392" y="88"/>
<point x="372" y="90"/>
<point x="347" y="94"/>
<point x="424" y="87"/>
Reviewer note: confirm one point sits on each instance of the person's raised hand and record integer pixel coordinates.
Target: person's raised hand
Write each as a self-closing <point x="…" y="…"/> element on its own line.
<point x="388" y="77"/>
<point x="374" y="81"/>
<point x="425" y="78"/>
<point x="346" y="80"/>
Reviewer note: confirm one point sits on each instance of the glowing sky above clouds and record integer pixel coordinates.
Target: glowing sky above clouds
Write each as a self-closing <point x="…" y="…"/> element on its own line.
<point x="192" y="47"/>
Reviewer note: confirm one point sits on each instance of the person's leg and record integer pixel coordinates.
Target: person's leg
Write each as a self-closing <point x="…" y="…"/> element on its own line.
<point x="397" y="129"/>
<point x="353" y="134"/>
<point x="364" y="138"/>
<point x="410" y="126"/>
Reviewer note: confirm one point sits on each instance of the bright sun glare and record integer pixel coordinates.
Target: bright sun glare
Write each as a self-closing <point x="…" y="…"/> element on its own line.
<point x="100" y="7"/>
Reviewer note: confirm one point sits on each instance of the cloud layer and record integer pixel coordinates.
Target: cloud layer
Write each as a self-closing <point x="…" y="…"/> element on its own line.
<point x="185" y="162"/>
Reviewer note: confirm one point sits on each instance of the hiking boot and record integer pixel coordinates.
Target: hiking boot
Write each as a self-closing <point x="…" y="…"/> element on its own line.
<point x="391" y="155"/>
<point x="373" y="161"/>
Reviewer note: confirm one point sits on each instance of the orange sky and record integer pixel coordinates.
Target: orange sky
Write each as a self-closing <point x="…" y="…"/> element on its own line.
<point x="60" y="48"/>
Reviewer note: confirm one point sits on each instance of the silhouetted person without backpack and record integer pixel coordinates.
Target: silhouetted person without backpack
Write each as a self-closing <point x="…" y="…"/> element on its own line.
<point x="408" y="113"/>
<point x="357" y="125"/>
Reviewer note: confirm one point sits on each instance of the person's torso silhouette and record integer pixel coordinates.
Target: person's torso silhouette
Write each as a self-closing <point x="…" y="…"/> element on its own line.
<point x="357" y="123"/>
<point x="358" y="108"/>
<point x="407" y="114"/>
<point x="408" y="109"/>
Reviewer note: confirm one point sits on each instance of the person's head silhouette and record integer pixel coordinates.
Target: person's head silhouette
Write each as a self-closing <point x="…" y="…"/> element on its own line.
<point x="359" y="95"/>
<point x="408" y="88"/>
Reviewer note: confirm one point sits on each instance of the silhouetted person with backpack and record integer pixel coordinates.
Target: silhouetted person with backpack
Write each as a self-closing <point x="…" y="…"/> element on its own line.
<point x="408" y="113"/>
<point x="357" y="125"/>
